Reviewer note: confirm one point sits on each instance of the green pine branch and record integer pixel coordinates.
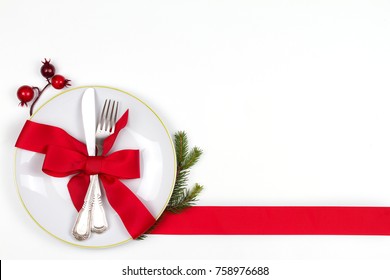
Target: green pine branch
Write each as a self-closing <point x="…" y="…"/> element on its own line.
<point x="182" y="197"/>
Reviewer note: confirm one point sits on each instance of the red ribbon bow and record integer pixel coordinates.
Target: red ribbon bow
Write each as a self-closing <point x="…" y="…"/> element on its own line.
<point x="61" y="162"/>
<point x="65" y="155"/>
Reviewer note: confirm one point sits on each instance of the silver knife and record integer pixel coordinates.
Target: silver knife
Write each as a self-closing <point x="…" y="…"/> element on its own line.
<point x="82" y="227"/>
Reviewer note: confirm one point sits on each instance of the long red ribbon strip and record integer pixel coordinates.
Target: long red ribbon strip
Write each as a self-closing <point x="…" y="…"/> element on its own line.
<point x="221" y="220"/>
<point x="277" y="220"/>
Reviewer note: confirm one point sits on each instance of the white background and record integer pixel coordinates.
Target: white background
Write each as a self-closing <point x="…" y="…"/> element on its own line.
<point x="289" y="101"/>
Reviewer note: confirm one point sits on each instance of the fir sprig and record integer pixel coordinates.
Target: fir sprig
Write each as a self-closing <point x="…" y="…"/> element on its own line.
<point x="182" y="197"/>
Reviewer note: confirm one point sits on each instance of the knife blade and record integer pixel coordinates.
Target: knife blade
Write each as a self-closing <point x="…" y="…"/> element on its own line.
<point x="82" y="227"/>
<point x="89" y="120"/>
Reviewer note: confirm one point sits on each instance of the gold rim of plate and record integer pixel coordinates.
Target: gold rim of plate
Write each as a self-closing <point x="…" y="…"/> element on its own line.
<point x="173" y="151"/>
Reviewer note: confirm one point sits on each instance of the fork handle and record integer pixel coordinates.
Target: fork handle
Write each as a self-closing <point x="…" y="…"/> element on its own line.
<point x="82" y="227"/>
<point x="99" y="220"/>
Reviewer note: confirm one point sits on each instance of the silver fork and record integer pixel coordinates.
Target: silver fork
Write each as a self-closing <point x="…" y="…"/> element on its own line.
<point x="105" y="128"/>
<point x="92" y="216"/>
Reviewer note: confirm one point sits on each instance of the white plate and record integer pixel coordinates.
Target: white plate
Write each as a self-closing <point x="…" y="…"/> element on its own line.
<point x="46" y="198"/>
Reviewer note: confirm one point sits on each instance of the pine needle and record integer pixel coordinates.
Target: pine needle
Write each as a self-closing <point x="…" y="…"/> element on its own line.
<point x="192" y="158"/>
<point x="188" y="199"/>
<point x="181" y="146"/>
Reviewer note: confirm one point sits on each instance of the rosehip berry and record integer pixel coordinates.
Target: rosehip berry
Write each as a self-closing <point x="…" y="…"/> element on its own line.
<point x="59" y="82"/>
<point x="25" y="94"/>
<point x="47" y="69"/>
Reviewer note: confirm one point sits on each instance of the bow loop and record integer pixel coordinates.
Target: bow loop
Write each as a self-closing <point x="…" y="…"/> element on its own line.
<point x="60" y="161"/>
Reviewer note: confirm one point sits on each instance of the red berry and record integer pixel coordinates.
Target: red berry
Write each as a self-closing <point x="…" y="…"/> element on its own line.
<point x="59" y="82"/>
<point x="47" y="69"/>
<point x="25" y="94"/>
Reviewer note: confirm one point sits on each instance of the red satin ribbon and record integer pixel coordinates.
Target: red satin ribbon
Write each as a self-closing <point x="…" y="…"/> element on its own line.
<point x="277" y="220"/>
<point x="65" y="155"/>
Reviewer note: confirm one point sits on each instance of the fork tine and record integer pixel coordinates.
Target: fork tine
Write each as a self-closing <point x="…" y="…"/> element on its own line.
<point x="107" y="123"/>
<point x="102" y="116"/>
<point x="114" y="115"/>
<point x="108" y="115"/>
<point x="109" y="119"/>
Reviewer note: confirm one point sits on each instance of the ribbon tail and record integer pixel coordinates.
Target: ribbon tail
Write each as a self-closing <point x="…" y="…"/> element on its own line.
<point x="77" y="187"/>
<point x="135" y="216"/>
<point x="120" y="124"/>
<point x="38" y="137"/>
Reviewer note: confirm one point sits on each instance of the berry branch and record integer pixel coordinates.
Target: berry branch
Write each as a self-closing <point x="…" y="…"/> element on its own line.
<point x="39" y="92"/>
<point x="27" y="93"/>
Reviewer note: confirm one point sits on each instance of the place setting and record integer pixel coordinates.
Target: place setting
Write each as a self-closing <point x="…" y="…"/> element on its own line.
<point x="83" y="132"/>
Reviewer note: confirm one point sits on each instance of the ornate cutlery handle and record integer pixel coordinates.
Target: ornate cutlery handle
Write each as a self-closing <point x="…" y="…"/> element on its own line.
<point x="99" y="220"/>
<point x="82" y="227"/>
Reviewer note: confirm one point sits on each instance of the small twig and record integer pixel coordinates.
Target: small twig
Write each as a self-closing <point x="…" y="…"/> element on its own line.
<point x="39" y="93"/>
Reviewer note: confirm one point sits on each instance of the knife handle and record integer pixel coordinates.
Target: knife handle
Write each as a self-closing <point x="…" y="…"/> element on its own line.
<point x="82" y="227"/>
<point x="99" y="220"/>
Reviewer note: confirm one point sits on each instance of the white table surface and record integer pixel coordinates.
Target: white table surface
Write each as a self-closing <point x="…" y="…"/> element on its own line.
<point x="290" y="103"/>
